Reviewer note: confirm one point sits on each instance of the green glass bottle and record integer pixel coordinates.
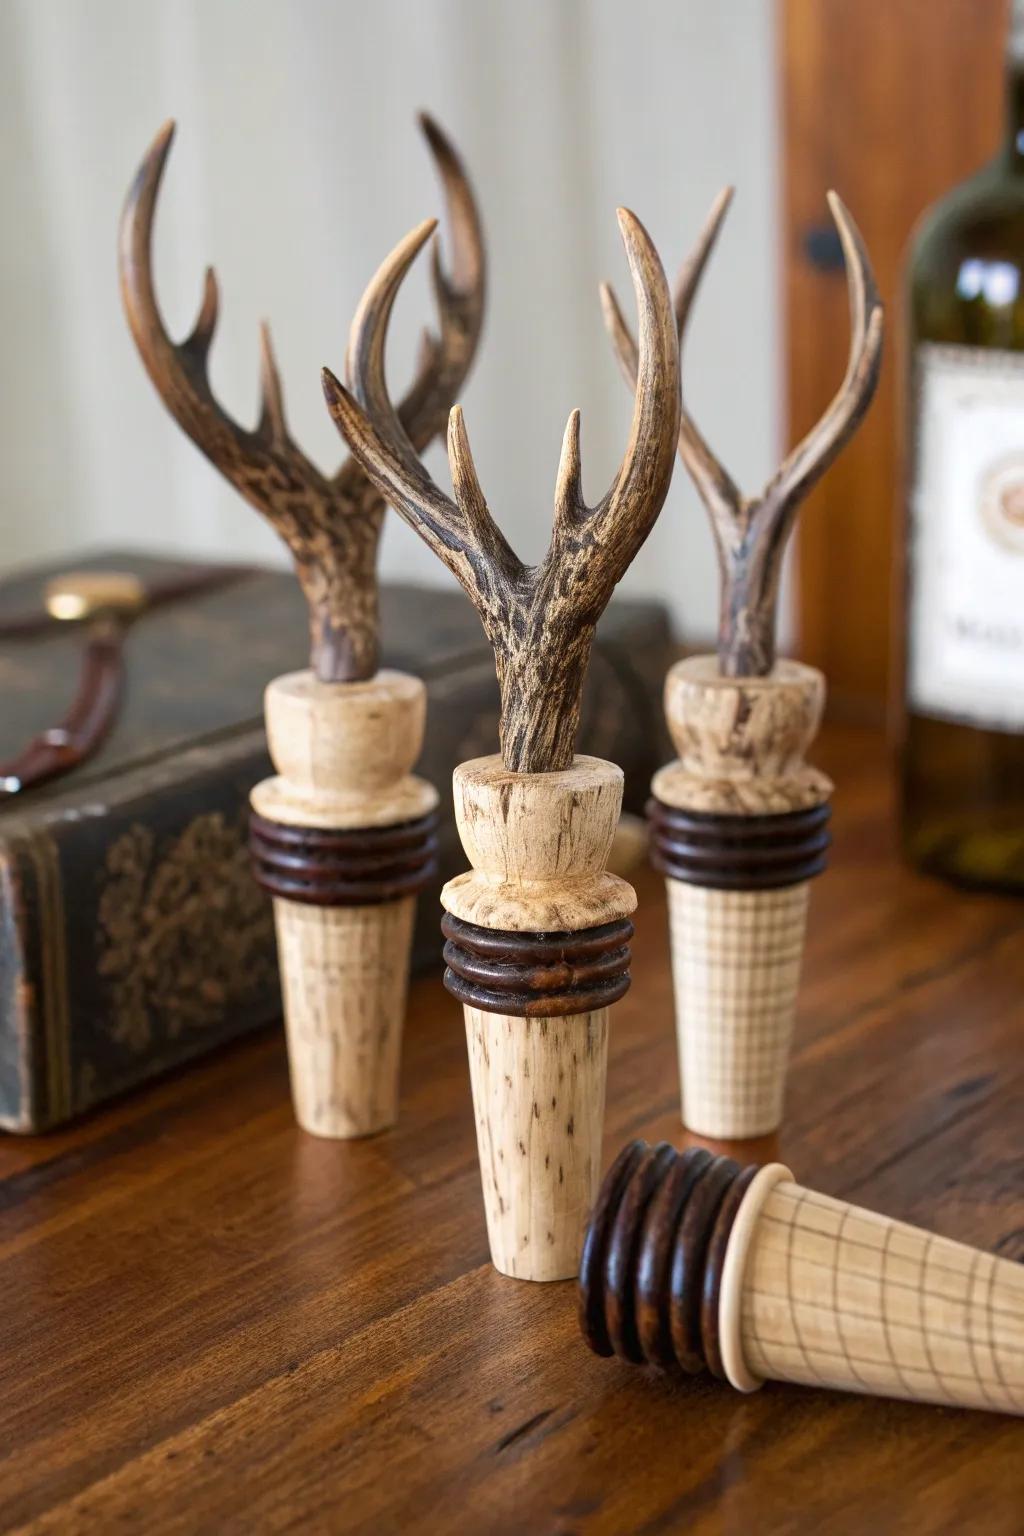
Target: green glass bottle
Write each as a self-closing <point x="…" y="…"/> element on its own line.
<point x="962" y="749"/>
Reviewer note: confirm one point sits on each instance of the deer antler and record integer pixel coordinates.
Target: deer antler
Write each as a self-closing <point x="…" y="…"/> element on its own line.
<point x="751" y="533"/>
<point x="540" y="620"/>
<point x="331" y="524"/>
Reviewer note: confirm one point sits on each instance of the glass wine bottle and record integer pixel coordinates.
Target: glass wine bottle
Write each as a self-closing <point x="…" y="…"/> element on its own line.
<point x="962" y="748"/>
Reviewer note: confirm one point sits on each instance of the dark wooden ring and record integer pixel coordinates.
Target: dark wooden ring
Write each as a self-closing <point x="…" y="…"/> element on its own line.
<point x="354" y="840"/>
<point x="689" y="1251"/>
<point x="595" y="1246"/>
<point x="744" y="853"/>
<point x="710" y="1332"/>
<point x="623" y="1250"/>
<point x="503" y="944"/>
<point x="332" y="867"/>
<point x="749" y="828"/>
<point x="557" y="976"/>
<point x="299" y="866"/>
<point x="653" y="1254"/>
<point x="536" y="975"/>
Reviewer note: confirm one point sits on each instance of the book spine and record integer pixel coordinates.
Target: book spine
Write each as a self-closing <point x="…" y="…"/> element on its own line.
<point x="132" y="935"/>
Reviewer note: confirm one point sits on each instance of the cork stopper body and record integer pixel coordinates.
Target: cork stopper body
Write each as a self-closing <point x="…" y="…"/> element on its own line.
<point x="738" y="823"/>
<point x="342" y="834"/>
<point x="828" y="1294"/>
<point x="538" y="844"/>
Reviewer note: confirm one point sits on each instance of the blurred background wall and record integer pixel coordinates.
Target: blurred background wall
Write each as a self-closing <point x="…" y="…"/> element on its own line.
<point x="298" y="165"/>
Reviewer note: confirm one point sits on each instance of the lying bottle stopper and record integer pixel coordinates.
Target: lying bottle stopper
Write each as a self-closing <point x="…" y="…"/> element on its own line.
<point x="692" y="1262"/>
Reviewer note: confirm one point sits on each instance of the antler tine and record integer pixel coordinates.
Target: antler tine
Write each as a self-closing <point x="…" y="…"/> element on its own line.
<point x="809" y="460"/>
<point x="467" y="262"/>
<point x="179" y="369"/>
<point x="692" y="270"/>
<point x="331" y="525"/>
<point x="618" y="525"/>
<point x="540" y="620"/>
<point x="714" y="483"/>
<point x="751" y="533"/>
<point x="460" y="294"/>
<point x="272" y="418"/>
<point x="365" y="416"/>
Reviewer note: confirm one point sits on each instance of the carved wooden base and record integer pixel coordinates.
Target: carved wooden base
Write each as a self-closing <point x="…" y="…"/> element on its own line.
<point x="537" y="948"/>
<point x="692" y="1262"/>
<point x="739" y="825"/>
<point x="342" y="839"/>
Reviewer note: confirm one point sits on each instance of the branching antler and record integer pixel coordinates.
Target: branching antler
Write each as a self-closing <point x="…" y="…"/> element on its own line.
<point x="540" y="620"/>
<point x="331" y="524"/>
<point x="751" y="533"/>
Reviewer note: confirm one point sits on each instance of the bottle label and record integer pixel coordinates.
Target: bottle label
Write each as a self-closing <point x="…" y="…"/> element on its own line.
<point x="1015" y="35"/>
<point x="965" y="658"/>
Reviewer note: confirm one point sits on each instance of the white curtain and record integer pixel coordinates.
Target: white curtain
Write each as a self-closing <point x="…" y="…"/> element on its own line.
<point x="297" y="165"/>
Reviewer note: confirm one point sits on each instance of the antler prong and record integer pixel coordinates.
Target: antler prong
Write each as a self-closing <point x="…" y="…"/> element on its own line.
<point x="716" y="486"/>
<point x="483" y="534"/>
<point x="813" y="455"/>
<point x="364" y="359"/>
<point x="272" y="418"/>
<point x="200" y="338"/>
<point x="623" y="518"/>
<point x="467" y="260"/>
<point x="751" y="534"/>
<point x="540" y="620"/>
<point x="332" y="526"/>
<point x="371" y="426"/>
<point x="692" y="270"/>
<point x="621" y="335"/>
<point x="459" y="294"/>
<point x="720" y="493"/>
<point x="569" y="502"/>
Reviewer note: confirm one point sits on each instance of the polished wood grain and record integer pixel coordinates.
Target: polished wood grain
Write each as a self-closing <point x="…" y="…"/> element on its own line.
<point x="214" y="1323"/>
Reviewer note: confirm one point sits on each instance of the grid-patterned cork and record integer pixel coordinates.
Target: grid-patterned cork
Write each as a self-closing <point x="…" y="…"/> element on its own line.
<point x="344" y="978"/>
<point x="736" y="958"/>
<point x="538" y="1099"/>
<point x="832" y="1295"/>
<point x="738" y="825"/>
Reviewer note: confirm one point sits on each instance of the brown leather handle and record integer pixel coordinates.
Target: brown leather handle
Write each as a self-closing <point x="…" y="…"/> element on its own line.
<point x="93" y="711"/>
<point x="97" y="699"/>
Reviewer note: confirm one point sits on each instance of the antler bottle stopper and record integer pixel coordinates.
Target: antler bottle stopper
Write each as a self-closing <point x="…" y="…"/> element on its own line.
<point x="692" y="1262"/>
<point x="344" y="836"/>
<point x="739" y="820"/>
<point x="538" y="932"/>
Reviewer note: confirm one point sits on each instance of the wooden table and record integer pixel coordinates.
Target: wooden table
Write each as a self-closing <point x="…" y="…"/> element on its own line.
<point x="214" y="1323"/>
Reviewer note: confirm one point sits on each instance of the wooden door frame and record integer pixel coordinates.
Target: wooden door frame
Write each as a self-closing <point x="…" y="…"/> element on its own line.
<point x="891" y="103"/>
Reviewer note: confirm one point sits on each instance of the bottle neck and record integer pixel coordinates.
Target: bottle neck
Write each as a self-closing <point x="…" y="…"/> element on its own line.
<point x="1014" y="138"/>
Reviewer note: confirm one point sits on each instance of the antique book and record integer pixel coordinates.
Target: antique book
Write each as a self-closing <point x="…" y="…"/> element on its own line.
<point x="132" y="935"/>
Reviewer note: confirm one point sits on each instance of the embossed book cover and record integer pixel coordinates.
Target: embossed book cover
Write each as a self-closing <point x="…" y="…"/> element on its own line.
<point x="132" y="935"/>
